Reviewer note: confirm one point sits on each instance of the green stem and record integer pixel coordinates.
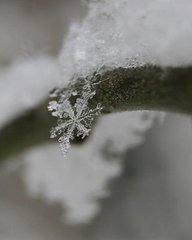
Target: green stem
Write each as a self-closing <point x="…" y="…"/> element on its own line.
<point x="143" y="88"/>
<point x="146" y="88"/>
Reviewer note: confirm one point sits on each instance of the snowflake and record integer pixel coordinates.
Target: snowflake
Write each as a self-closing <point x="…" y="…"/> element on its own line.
<point x="73" y="120"/>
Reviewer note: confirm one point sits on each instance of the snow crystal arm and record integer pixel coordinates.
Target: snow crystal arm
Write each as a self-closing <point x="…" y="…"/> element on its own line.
<point x="149" y="87"/>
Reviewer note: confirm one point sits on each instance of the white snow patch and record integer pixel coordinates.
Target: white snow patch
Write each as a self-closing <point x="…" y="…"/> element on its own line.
<point x="25" y="84"/>
<point x="128" y="33"/>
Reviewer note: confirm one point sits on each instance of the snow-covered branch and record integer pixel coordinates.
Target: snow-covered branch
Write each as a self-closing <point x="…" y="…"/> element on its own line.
<point x="143" y="88"/>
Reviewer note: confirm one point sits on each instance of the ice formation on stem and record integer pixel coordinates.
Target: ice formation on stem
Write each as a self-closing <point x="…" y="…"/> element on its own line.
<point x="73" y="119"/>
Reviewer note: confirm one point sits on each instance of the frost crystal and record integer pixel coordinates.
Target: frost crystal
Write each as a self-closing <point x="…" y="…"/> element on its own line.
<point x="73" y="120"/>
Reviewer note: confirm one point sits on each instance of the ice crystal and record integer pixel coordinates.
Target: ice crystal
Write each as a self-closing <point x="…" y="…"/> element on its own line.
<point x="73" y="120"/>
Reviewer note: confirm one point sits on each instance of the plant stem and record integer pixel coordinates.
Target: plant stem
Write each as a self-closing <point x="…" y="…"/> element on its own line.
<point x="146" y="88"/>
<point x="26" y="131"/>
<point x="143" y="88"/>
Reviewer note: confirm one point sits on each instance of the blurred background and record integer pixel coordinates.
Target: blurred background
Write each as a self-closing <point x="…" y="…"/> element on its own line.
<point x="150" y="199"/>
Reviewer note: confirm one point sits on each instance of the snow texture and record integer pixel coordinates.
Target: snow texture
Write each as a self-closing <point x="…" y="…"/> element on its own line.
<point x="79" y="181"/>
<point x="25" y="84"/>
<point x="127" y="33"/>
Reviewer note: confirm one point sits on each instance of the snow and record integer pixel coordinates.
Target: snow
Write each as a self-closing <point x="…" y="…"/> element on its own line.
<point x="25" y="84"/>
<point x="129" y="33"/>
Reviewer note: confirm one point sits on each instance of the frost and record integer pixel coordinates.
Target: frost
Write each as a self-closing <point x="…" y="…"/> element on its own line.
<point x="99" y="43"/>
<point x="73" y="120"/>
